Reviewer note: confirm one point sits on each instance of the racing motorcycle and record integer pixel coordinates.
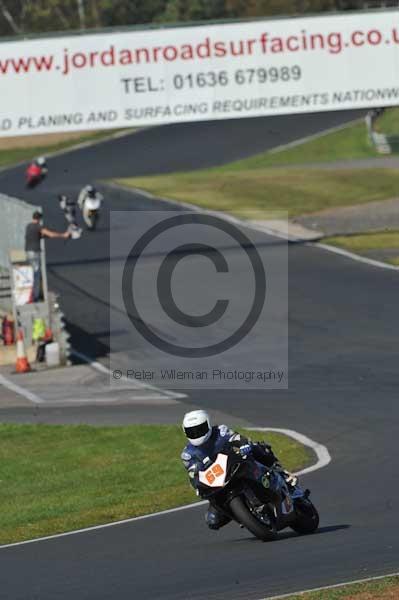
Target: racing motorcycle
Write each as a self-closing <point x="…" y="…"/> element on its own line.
<point x="35" y="174"/>
<point x="91" y="212"/>
<point x="255" y="496"/>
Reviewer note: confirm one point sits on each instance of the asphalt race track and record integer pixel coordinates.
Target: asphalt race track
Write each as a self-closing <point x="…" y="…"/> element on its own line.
<point x="343" y="377"/>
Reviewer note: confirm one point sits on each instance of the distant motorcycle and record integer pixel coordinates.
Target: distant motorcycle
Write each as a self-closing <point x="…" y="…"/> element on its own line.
<point x="255" y="496"/>
<point x="91" y="212"/>
<point x="36" y="172"/>
<point x="90" y="204"/>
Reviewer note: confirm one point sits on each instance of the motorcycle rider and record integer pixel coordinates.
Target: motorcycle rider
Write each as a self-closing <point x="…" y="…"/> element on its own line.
<point x="38" y="167"/>
<point x="89" y="191"/>
<point x="37" y="170"/>
<point x="42" y="164"/>
<point x="205" y="440"/>
<point x="68" y="206"/>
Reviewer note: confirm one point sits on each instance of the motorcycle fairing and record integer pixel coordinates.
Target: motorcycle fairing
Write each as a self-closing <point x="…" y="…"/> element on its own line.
<point x="215" y="475"/>
<point x="92" y="204"/>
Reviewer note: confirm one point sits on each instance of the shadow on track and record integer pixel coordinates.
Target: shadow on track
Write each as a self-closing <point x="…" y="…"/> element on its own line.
<point x="288" y="535"/>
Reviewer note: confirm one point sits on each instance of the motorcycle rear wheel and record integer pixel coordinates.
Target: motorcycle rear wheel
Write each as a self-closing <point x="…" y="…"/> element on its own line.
<point x="307" y="520"/>
<point x="244" y="516"/>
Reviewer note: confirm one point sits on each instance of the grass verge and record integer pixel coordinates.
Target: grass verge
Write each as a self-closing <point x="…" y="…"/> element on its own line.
<point x="57" y="478"/>
<point x="348" y="143"/>
<point x="260" y="193"/>
<point x="388" y="123"/>
<point x="253" y="188"/>
<point x="386" y="588"/>
<point x="12" y="156"/>
<point x="367" y="242"/>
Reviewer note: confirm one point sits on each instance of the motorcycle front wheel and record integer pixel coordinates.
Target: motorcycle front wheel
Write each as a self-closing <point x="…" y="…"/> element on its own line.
<point x="307" y="520"/>
<point x="261" y="529"/>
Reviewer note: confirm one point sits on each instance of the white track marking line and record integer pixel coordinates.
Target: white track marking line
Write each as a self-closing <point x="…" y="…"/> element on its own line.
<point x="144" y="386"/>
<point x="195" y="208"/>
<point x="21" y="391"/>
<point x="261" y="228"/>
<point x="91" y="401"/>
<point x="315" y="136"/>
<point x="323" y="459"/>
<point x="133" y="130"/>
<point x="358" y="257"/>
<point x="108" y="138"/>
<point x="97" y="527"/>
<point x="79" y="146"/>
<point x="35" y="399"/>
<point x="322" y="453"/>
<point x="331" y="587"/>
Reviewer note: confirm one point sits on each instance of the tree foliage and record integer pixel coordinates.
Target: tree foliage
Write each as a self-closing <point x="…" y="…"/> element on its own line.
<point x="30" y="16"/>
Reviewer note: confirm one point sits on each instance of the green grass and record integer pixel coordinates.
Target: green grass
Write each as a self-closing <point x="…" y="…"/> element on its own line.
<point x="346" y="144"/>
<point x="349" y="143"/>
<point x="388" y="123"/>
<point x="15" y="155"/>
<point x="382" y="589"/>
<point x="262" y="193"/>
<point x="366" y="242"/>
<point x="255" y="188"/>
<point x="57" y="478"/>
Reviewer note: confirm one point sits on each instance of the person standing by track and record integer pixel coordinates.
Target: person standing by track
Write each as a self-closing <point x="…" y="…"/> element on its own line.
<point x="34" y="232"/>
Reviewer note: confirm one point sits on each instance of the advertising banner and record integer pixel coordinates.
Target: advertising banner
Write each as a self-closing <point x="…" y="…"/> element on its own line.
<point x="218" y="71"/>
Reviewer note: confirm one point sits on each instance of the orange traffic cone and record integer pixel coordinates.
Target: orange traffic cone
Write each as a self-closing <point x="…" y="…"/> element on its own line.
<point x="22" y="365"/>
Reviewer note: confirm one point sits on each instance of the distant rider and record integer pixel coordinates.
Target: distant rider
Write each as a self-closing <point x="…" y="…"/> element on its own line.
<point x="34" y="233"/>
<point x="89" y="191"/>
<point x="37" y="169"/>
<point x="68" y="206"/>
<point x="205" y="440"/>
<point x="41" y="164"/>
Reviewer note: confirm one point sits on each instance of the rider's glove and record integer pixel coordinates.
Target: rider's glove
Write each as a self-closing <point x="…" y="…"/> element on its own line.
<point x="193" y="471"/>
<point x="290" y="478"/>
<point x="245" y="450"/>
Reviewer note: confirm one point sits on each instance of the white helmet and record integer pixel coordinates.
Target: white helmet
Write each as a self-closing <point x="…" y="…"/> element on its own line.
<point x="41" y="161"/>
<point x="197" y="427"/>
